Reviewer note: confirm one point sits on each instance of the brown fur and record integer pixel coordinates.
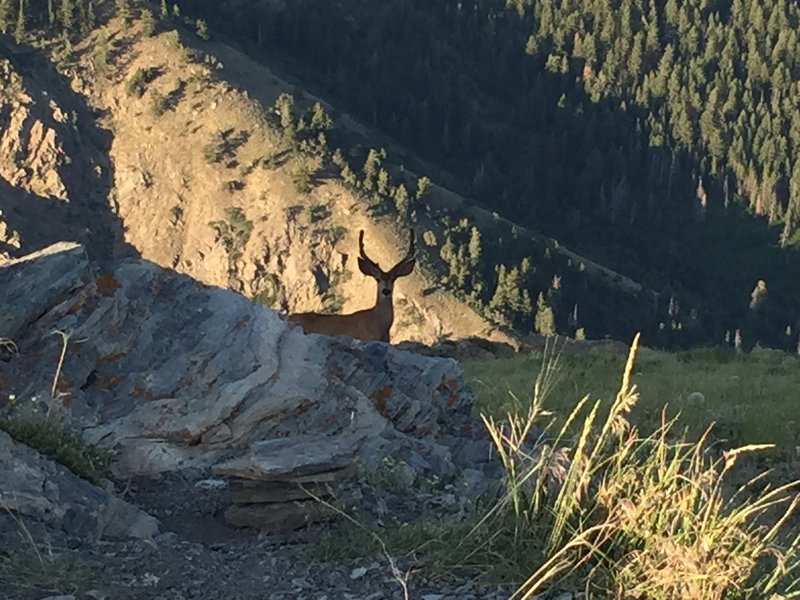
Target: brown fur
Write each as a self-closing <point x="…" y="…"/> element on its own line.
<point x="371" y="323"/>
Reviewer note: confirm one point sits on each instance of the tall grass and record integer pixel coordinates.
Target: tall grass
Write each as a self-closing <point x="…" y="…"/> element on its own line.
<point x="626" y="515"/>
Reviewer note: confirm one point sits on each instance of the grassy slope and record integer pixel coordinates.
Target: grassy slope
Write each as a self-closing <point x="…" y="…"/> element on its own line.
<point x="752" y="398"/>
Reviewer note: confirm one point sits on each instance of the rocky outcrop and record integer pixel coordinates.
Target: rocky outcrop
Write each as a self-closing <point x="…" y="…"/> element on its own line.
<point x="175" y="375"/>
<point x="55" y="175"/>
<point x="39" y="490"/>
<point x="33" y="153"/>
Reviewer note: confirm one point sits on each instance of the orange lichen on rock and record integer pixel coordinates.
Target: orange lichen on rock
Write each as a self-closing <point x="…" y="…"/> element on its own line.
<point x="379" y="400"/>
<point x="113" y="357"/>
<point x="106" y="283"/>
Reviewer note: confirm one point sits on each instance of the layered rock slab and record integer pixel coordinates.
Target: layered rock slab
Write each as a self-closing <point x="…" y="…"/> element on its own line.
<point x="175" y="375"/>
<point x="38" y="489"/>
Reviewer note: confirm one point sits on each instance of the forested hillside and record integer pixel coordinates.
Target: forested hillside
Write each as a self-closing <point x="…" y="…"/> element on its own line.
<point x="661" y="139"/>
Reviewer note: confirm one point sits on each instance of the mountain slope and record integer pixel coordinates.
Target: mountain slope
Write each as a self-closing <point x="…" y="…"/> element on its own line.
<point x="659" y="137"/>
<point x="203" y="176"/>
<point x="299" y="254"/>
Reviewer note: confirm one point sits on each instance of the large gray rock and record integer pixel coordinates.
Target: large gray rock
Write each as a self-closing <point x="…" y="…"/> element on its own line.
<point x="173" y="374"/>
<point x="39" y="489"/>
<point x="34" y="283"/>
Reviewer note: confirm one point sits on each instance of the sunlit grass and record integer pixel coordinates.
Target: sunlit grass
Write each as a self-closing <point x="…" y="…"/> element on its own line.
<point x="752" y="398"/>
<point x="624" y="514"/>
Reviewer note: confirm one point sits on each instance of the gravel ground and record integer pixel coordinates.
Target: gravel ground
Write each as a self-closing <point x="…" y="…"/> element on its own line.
<point x="197" y="556"/>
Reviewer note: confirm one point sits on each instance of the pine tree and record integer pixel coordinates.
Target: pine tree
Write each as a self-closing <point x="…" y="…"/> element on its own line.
<point x="448" y="250"/>
<point x="348" y="176"/>
<point x="382" y="186"/>
<point x="67" y="17"/>
<point x="124" y="11"/>
<point x="401" y="200"/>
<point x="320" y="120"/>
<point x="5" y="15"/>
<point x="19" y="30"/>
<point x="91" y="15"/>
<point x="758" y="297"/>
<point x="659" y="83"/>
<point x="370" y="169"/>
<point x="201" y="27"/>
<point x="338" y="159"/>
<point x="501" y="299"/>
<point x="100" y="55"/>
<point x="544" y="323"/>
<point x="423" y="183"/>
<point x="148" y="23"/>
<point x="474" y="247"/>
<point x="284" y="106"/>
<point x="737" y="340"/>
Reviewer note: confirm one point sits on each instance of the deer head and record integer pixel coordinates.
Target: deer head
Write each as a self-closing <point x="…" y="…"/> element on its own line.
<point x="385" y="279"/>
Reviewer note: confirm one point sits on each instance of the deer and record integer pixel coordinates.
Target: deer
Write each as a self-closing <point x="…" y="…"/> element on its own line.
<point x="371" y="323"/>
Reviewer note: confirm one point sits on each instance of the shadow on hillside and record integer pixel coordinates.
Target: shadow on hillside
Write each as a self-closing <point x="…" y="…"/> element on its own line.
<point x="42" y="221"/>
<point x="527" y="143"/>
<point x="85" y="168"/>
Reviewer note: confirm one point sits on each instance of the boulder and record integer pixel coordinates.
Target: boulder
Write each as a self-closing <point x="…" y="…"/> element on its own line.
<point x="175" y="375"/>
<point x="34" y="283"/>
<point x="36" y="488"/>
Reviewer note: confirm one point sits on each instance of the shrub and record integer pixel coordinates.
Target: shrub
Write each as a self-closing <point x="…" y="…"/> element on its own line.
<point x="40" y="571"/>
<point x="223" y="143"/>
<point x="137" y="84"/>
<point x="270" y="291"/>
<point x="234" y="231"/>
<point x="159" y="103"/>
<point x="215" y="150"/>
<point x="301" y="179"/>
<point x="337" y="233"/>
<point x="319" y="212"/>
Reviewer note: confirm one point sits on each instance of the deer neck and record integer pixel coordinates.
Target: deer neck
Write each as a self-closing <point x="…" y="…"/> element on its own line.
<point x="384" y="308"/>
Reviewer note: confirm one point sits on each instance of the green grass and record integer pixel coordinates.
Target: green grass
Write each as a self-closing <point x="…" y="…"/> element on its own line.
<point x="624" y="514"/>
<point x="34" y="572"/>
<point x="481" y="549"/>
<point x="55" y="440"/>
<point x="753" y="398"/>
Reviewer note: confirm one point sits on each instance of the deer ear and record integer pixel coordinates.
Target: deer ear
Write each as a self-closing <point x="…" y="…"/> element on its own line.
<point x="368" y="268"/>
<point x="404" y="268"/>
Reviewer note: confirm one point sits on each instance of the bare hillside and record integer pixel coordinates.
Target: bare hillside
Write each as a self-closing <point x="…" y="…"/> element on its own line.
<point x="181" y="163"/>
